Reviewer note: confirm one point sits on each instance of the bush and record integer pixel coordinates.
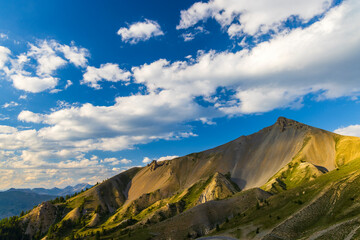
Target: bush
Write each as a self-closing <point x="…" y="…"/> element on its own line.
<point x="217" y="227"/>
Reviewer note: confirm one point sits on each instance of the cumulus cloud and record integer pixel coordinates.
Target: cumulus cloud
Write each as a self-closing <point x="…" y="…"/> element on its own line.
<point x="107" y="72"/>
<point x="27" y="116"/>
<point x="166" y="158"/>
<point x="7" y="129"/>
<point x="146" y="160"/>
<point x="131" y="120"/>
<point x="274" y="74"/>
<point x="76" y="55"/>
<point x="352" y="130"/>
<point x="33" y="71"/>
<point x="27" y="159"/>
<point x="251" y="17"/>
<point x="140" y="31"/>
<point x="33" y="84"/>
<point x="46" y="57"/>
<point x="115" y="161"/>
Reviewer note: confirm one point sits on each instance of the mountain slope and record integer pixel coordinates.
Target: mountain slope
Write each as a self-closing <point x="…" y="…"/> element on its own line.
<point x="279" y="158"/>
<point x="325" y="208"/>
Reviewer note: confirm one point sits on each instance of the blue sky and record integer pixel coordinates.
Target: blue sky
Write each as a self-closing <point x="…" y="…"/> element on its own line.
<point x="91" y="88"/>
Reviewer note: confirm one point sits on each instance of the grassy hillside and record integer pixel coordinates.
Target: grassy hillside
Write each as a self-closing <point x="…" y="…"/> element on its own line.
<point x="314" y="209"/>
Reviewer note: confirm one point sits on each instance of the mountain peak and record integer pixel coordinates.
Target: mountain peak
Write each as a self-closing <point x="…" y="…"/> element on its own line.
<point x="283" y="122"/>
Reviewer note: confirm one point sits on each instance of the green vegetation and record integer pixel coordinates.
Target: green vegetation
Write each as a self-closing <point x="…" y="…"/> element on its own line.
<point x="10" y="229"/>
<point x="194" y="192"/>
<point x="282" y="205"/>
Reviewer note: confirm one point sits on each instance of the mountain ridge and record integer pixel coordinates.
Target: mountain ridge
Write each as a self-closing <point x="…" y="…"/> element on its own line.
<point x="68" y="190"/>
<point x="272" y="162"/>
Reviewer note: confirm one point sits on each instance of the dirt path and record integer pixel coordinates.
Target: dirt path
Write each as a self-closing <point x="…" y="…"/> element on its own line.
<point x="322" y="232"/>
<point x="217" y="238"/>
<point x="352" y="233"/>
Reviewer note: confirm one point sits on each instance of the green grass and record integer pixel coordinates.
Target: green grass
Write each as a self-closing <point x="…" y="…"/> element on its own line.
<point x="153" y="208"/>
<point x="280" y="206"/>
<point x="194" y="192"/>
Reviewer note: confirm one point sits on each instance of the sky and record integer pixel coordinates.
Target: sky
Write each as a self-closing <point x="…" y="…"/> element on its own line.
<point x="91" y="88"/>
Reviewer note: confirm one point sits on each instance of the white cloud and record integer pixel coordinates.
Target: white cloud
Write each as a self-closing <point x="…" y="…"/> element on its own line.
<point x="4" y="56"/>
<point x="46" y="57"/>
<point x="7" y="129"/>
<point x="352" y="130"/>
<point x="34" y="70"/>
<point x="274" y="74"/>
<point x="23" y="97"/>
<point x="10" y="104"/>
<point x="140" y="31"/>
<point x="207" y="121"/>
<point x="68" y="84"/>
<point x="107" y="72"/>
<point x="77" y="56"/>
<point x="132" y="120"/>
<point x="251" y="17"/>
<point x="146" y="160"/>
<point x="125" y="161"/>
<point x="33" y="84"/>
<point x="114" y="161"/>
<point x="27" y="116"/>
<point x="189" y="36"/>
<point x="28" y="160"/>
<point x="166" y="158"/>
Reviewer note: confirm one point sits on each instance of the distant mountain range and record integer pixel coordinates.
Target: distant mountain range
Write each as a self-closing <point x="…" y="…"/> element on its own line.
<point x="13" y="201"/>
<point x="69" y="190"/>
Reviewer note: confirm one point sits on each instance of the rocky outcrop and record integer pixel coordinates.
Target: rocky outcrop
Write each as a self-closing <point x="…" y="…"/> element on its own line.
<point x="219" y="188"/>
<point x="40" y="219"/>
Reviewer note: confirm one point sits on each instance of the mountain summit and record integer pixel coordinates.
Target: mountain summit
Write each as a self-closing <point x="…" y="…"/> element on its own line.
<point x="197" y="192"/>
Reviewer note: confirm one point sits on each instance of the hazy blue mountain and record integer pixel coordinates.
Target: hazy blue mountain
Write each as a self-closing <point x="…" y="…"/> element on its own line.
<point x="69" y="190"/>
<point x="13" y="202"/>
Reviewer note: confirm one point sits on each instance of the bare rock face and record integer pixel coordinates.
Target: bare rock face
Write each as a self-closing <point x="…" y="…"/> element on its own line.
<point x="40" y="218"/>
<point x="144" y="201"/>
<point x="218" y="188"/>
<point x="154" y="165"/>
<point x="284" y="123"/>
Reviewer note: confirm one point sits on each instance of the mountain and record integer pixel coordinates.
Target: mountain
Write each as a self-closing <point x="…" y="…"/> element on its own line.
<point x="13" y="202"/>
<point x="69" y="190"/>
<point x="287" y="181"/>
